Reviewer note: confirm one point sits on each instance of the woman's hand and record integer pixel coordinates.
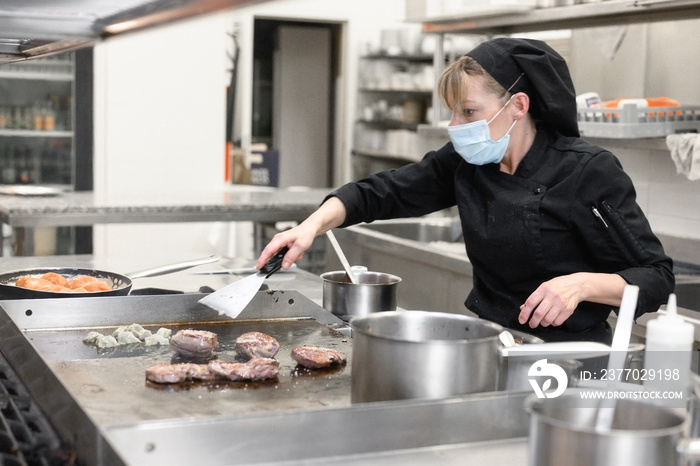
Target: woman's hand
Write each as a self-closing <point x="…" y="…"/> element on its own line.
<point x="555" y="300"/>
<point x="299" y="239"/>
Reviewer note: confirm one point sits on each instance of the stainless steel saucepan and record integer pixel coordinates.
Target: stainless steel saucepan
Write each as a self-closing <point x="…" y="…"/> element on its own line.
<point x="374" y="292"/>
<point x="422" y="354"/>
<point x="563" y="431"/>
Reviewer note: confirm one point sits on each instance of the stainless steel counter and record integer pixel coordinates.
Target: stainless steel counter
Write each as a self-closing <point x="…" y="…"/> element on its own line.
<point x="187" y="281"/>
<point x="231" y="203"/>
<point x="100" y="401"/>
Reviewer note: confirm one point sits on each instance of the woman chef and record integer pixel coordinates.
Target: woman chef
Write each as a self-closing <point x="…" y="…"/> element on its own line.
<point x="550" y="222"/>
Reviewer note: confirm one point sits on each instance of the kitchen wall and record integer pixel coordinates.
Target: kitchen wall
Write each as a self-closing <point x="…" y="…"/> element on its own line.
<point x="160" y="114"/>
<point x="160" y="118"/>
<point x="652" y="60"/>
<point x="159" y="128"/>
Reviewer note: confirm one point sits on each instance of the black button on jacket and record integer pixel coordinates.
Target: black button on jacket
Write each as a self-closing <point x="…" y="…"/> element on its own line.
<point x="568" y="208"/>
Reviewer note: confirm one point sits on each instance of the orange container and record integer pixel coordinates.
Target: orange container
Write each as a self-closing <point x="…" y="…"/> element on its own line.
<point x="644" y="102"/>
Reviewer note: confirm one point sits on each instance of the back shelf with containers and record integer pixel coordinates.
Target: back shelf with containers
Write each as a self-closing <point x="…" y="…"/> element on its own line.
<point x="395" y="97"/>
<point x="629" y="118"/>
<point x="36" y="143"/>
<point x="36" y="129"/>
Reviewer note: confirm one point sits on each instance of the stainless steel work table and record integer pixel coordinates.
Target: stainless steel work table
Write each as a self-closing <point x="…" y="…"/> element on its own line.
<point x="230" y="203"/>
<point x="102" y="403"/>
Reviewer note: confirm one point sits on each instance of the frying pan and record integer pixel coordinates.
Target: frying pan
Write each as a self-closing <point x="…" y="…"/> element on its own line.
<point x="120" y="284"/>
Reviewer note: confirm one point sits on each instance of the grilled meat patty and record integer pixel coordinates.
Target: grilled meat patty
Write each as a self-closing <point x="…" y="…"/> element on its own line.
<point x="256" y="345"/>
<point x="316" y="357"/>
<point x="194" y="343"/>
<point x="176" y="373"/>
<point x="253" y="370"/>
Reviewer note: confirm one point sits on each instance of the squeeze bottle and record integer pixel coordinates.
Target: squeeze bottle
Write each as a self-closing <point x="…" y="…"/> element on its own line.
<point x="669" y="344"/>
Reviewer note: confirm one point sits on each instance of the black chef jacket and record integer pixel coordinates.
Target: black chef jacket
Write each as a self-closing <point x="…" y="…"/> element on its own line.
<point x="568" y="208"/>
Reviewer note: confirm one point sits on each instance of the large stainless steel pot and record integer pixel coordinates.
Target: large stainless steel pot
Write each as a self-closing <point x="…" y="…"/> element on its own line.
<point x="375" y="292"/>
<point x="422" y="354"/>
<point x="562" y="431"/>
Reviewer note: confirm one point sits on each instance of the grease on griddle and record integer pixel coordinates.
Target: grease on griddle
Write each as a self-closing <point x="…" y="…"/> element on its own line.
<point x="211" y="385"/>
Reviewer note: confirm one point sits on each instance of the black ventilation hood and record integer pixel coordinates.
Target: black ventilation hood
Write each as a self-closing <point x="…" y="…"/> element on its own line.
<point x="34" y="28"/>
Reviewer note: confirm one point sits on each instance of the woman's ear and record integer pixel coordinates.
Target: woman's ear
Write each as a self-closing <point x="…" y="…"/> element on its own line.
<point x="521" y="105"/>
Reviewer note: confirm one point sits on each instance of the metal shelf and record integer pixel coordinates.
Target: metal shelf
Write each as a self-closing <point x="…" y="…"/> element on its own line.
<point x="30" y="133"/>
<point x="387" y="124"/>
<point x="36" y="75"/>
<point x="604" y="13"/>
<point x="400" y="57"/>
<point x="382" y="155"/>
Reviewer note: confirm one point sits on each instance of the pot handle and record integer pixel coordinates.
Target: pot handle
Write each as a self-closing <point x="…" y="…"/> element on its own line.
<point x="172" y="268"/>
<point x="688" y="449"/>
<point x="558" y="350"/>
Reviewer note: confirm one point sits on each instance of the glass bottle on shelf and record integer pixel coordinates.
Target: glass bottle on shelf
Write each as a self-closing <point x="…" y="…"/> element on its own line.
<point x="8" y="168"/>
<point x="49" y="115"/>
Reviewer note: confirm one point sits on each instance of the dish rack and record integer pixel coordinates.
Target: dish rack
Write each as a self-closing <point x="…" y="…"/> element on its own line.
<point x="631" y="121"/>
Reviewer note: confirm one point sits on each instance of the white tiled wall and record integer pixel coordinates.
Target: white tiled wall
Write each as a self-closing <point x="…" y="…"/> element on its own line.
<point x="669" y="199"/>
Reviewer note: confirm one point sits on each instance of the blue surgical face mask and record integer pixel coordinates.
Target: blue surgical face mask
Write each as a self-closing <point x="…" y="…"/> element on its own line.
<point x="473" y="141"/>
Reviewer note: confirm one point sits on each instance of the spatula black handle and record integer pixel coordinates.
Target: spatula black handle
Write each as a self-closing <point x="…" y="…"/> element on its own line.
<point x="274" y="263"/>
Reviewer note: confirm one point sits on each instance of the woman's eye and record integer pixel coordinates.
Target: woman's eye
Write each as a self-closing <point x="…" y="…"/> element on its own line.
<point x="468" y="111"/>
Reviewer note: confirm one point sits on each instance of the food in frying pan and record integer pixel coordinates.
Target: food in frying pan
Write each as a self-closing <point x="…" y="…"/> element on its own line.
<point x="57" y="283"/>
<point x="256" y="369"/>
<point x="256" y="345"/>
<point x="55" y="278"/>
<point x="315" y="357"/>
<point x="194" y="343"/>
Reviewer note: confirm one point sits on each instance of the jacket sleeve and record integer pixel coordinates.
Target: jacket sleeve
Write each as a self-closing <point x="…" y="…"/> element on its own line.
<point x="618" y="233"/>
<point x="411" y="191"/>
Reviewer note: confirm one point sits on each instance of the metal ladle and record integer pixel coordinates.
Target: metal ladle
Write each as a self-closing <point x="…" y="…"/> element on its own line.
<point x="341" y="256"/>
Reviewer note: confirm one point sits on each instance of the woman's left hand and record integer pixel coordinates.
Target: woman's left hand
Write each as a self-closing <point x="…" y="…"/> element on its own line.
<point x="555" y="300"/>
<point x="552" y="302"/>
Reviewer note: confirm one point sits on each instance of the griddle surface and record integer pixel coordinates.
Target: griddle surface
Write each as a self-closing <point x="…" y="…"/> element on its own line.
<point x="111" y="387"/>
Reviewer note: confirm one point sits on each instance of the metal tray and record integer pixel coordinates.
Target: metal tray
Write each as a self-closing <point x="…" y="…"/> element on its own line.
<point x="631" y="122"/>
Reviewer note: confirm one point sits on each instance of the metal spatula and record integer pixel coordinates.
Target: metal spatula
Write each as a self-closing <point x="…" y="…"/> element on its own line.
<point x="233" y="298"/>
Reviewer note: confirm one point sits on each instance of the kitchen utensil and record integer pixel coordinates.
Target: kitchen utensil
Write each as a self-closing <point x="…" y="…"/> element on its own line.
<point x="507" y="339"/>
<point x="121" y="284"/>
<point x="238" y="271"/>
<point x="172" y="268"/>
<point x="616" y="362"/>
<point x="563" y="431"/>
<point x="233" y="298"/>
<point x="421" y="354"/>
<point x="376" y="292"/>
<point x="341" y="256"/>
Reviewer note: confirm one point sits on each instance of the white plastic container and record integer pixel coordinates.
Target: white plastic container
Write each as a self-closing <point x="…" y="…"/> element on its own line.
<point x="669" y="344"/>
<point x="588" y="100"/>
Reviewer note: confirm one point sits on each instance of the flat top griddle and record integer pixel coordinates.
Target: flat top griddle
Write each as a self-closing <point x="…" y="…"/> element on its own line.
<point x="43" y="339"/>
<point x="102" y="407"/>
<point x="110" y="383"/>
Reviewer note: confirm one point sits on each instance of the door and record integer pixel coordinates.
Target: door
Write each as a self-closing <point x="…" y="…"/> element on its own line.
<point x="299" y="120"/>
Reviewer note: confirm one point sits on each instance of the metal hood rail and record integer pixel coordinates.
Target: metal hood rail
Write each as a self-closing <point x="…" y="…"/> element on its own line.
<point x="44" y="27"/>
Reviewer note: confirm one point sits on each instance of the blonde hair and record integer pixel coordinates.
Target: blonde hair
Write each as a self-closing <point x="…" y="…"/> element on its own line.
<point x="455" y="76"/>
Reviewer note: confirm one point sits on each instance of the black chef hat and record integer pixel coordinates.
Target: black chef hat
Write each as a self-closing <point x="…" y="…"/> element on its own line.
<point x="533" y="67"/>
